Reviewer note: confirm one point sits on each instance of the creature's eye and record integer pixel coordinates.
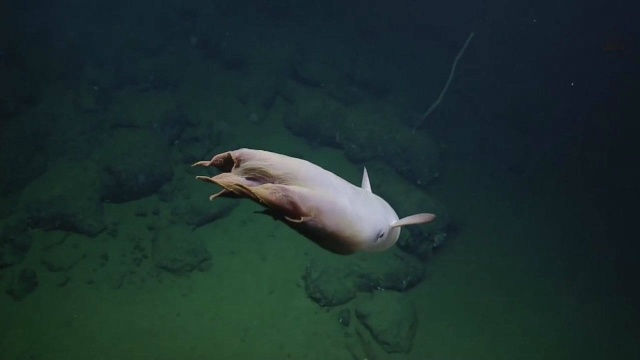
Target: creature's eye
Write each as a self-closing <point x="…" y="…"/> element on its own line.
<point x="380" y="235"/>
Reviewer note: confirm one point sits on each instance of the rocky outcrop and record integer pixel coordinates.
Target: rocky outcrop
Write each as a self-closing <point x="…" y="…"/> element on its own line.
<point x="200" y="212"/>
<point x="330" y="284"/>
<point x="61" y="257"/>
<point x="134" y="163"/>
<point x="366" y="135"/>
<point x="390" y="318"/>
<point x="23" y="283"/>
<point x="15" y="243"/>
<point x="66" y="197"/>
<point x="174" y="250"/>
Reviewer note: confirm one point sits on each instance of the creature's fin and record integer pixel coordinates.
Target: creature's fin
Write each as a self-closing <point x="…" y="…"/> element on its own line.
<point x="414" y="219"/>
<point x="365" y="181"/>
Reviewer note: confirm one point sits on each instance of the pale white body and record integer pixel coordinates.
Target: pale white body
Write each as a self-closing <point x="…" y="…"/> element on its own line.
<point x="322" y="206"/>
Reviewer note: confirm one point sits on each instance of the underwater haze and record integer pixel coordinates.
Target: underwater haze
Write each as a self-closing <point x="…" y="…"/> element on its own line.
<point x="514" y="122"/>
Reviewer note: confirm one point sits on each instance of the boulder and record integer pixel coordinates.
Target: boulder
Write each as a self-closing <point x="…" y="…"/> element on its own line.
<point x="367" y="133"/>
<point x="15" y="243"/>
<point x="416" y="157"/>
<point x="318" y="122"/>
<point x="314" y="73"/>
<point x="21" y="158"/>
<point x="177" y="251"/>
<point x="200" y="212"/>
<point x="66" y="197"/>
<point x="62" y="257"/>
<point x="332" y="284"/>
<point x="172" y="125"/>
<point x="135" y="163"/>
<point x="390" y="318"/>
<point x="197" y="143"/>
<point x="22" y="284"/>
<point x="329" y="286"/>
